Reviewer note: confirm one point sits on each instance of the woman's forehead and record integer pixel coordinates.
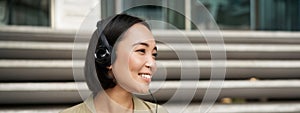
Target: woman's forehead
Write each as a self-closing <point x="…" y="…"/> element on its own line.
<point x="138" y="33"/>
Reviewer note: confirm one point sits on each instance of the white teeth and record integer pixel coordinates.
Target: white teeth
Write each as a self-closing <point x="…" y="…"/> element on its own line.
<point x="146" y="76"/>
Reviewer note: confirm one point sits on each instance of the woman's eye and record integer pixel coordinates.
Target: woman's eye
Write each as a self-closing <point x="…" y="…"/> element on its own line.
<point x="154" y="55"/>
<point x="143" y="51"/>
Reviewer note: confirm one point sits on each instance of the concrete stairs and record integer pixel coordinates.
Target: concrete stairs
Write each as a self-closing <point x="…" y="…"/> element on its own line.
<point x="262" y="71"/>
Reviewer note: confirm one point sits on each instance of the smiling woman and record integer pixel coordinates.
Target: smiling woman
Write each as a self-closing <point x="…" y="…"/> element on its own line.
<point x="122" y="51"/>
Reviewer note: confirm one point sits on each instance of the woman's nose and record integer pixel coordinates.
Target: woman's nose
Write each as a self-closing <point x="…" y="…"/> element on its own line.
<point x="150" y="62"/>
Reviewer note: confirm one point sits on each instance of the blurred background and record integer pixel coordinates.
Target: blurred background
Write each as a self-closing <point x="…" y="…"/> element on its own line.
<point x="261" y="40"/>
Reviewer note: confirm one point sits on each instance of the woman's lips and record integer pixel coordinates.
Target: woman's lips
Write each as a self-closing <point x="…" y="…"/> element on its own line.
<point x="146" y="77"/>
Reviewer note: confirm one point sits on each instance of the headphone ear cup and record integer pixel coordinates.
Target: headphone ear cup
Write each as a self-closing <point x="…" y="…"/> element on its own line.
<point x="103" y="52"/>
<point x="102" y="56"/>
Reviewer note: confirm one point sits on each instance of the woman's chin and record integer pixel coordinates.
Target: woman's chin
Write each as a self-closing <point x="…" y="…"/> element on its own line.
<point x="142" y="90"/>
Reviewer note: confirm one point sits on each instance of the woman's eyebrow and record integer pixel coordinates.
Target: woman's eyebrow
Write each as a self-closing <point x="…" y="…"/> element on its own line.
<point x="141" y="43"/>
<point x="145" y="44"/>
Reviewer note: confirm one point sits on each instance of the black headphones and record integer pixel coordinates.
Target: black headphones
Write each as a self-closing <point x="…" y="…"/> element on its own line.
<point x="104" y="49"/>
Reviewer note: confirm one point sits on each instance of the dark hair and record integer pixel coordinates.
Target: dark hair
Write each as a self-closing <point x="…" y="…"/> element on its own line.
<point x="113" y="30"/>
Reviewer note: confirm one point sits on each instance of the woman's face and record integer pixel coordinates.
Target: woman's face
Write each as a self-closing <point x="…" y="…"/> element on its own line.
<point x="135" y="59"/>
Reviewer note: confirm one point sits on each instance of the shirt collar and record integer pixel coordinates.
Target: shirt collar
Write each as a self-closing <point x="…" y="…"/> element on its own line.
<point x="139" y="105"/>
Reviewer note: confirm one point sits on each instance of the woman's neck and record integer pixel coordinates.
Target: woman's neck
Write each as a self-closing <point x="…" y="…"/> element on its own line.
<point x="114" y="100"/>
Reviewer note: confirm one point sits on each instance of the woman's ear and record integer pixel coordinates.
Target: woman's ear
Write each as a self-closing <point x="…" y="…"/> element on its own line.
<point x="110" y="72"/>
<point x="109" y="67"/>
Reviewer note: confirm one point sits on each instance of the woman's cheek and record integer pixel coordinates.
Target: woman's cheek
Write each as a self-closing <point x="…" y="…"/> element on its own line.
<point x="135" y="62"/>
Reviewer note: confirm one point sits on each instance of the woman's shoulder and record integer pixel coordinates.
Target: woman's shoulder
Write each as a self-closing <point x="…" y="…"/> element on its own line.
<point x="152" y="106"/>
<point x="79" y="108"/>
